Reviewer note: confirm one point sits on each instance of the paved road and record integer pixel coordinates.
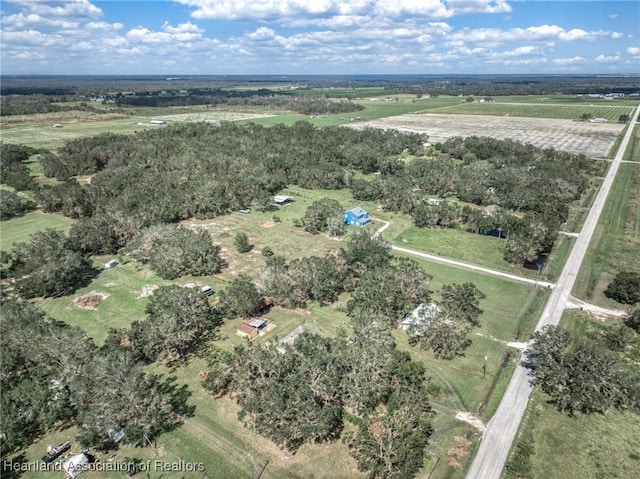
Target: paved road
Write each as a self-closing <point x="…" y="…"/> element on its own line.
<point x="462" y="264"/>
<point x="501" y="430"/>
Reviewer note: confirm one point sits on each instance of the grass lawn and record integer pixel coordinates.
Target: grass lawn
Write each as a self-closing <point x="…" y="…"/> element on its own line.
<point x="20" y="229"/>
<point x="458" y="244"/>
<point x="615" y="245"/>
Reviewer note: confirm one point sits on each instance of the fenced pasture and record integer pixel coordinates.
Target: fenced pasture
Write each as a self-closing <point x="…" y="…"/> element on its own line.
<point x="591" y="139"/>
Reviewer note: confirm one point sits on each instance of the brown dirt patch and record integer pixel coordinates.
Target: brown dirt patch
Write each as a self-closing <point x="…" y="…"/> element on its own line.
<point x="90" y="300"/>
<point x="267" y="224"/>
<point x="458" y="452"/>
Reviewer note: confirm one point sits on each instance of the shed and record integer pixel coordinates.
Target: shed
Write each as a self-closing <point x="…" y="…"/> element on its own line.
<point x="357" y="217"/>
<point x="251" y="328"/>
<point x="110" y="264"/>
<point x="423" y="314"/>
<point x="282" y="200"/>
<point x="76" y="465"/>
<point x="157" y="122"/>
<point x="293" y="334"/>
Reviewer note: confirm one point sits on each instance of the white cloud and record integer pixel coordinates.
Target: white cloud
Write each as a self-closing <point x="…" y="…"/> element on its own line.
<point x="633" y="50"/>
<point x="613" y="16"/>
<point x="319" y="11"/>
<point x="569" y="61"/>
<point x="59" y="8"/>
<point x="525" y="50"/>
<point x="607" y="59"/>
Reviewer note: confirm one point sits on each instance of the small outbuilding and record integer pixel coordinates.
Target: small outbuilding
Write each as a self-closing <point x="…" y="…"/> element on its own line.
<point x="357" y="217"/>
<point x="282" y="200"/>
<point x="291" y="337"/>
<point x="252" y="328"/>
<point x="76" y="465"/>
<point x="490" y="210"/>
<point x="110" y="264"/>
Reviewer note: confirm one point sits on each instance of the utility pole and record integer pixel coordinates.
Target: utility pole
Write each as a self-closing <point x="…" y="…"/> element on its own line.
<point x="484" y="367"/>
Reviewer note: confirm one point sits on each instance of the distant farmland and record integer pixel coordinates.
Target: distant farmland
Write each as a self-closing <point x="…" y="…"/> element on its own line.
<point x="592" y="139"/>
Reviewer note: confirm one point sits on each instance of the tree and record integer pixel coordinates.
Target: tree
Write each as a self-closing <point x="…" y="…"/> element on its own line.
<point x="391" y="291"/>
<point x="363" y="252"/>
<point x="241" y="298"/>
<point x="177" y="319"/>
<point x="46" y="266"/>
<point x="324" y="215"/>
<point x="173" y="251"/>
<point x="632" y="319"/>
<point x="12" y="204"/>
<point x="392" y="445"/>
<point x="446" y="328"/>
<point x="241" y="241"/>
<point x="580" y="376"/>
<point x="625" y="288"/>
<point x="117" y="395"/>
<point x="102" y="234"/>
<point x="586" y="116"/>
<point x="460" y="302"/>
<point x="303" y="279"/>
<point x="623" y="118"/>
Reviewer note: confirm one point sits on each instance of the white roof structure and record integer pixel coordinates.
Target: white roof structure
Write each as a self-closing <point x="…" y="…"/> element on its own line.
<point x="424" y="313"/>
<point x="282" y="198"/>
<point x="75" y="465"/>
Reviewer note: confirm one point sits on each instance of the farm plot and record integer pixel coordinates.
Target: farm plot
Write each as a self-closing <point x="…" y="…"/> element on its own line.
<point x="591" y="139"/>
<point x="611" y="110"/>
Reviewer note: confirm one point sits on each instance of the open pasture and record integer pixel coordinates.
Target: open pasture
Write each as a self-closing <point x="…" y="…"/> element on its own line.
<point x="591" y="139"/>
<point x="610" y="110"/>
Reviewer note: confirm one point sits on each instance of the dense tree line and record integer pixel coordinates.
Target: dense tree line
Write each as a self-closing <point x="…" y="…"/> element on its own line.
<point x="37" y="103"/>
<point x="307" y="105"/>
<point x="201" y="170"/>
<point x="54" y="376"/>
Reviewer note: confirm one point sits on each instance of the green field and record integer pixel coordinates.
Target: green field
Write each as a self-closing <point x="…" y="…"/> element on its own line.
<point x="615" y="245"/>
<point x="569" y="108"/>
<point x="19" y="230"/>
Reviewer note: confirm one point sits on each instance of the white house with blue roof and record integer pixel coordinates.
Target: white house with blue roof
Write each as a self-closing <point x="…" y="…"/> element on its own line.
<point x="357" y="217"/>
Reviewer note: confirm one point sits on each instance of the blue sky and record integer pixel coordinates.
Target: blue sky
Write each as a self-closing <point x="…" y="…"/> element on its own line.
<point x="319" y="36"/>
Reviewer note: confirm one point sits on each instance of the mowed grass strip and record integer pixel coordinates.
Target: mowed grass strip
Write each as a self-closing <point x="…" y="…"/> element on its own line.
<point x="615" y="245"/>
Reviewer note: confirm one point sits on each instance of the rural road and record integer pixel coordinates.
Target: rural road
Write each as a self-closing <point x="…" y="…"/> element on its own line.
<point x="503" y="426"/>
<point x="461" y="264"/>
